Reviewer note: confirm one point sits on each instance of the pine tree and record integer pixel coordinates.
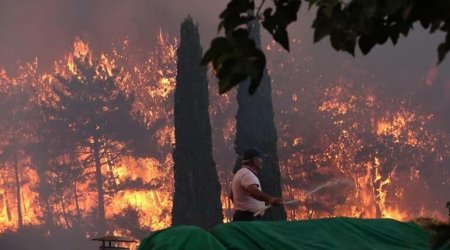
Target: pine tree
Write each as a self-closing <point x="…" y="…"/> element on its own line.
<point x="255" y="127"/>
<point x="94" y="116"/>
<point x="197" y="190"/>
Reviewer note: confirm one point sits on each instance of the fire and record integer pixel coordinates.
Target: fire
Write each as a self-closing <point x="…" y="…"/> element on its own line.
<point x="376" y="190"/>
<point x="395" y="126"/>
<point x="166" y="136"/>
<point x="354" y="133"/>
<point x="343" y="150"/>
<point x="396" y="213"/>
<point x="81" y="52"/>
<point x="338" y="107"/>
<point x="150" y="203"/>
<point x="106" y="65"/>
<point x="151" y="176"/>
<point x="29" y="198"/>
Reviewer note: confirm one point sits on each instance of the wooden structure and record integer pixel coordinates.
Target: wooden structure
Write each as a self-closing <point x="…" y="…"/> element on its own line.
<point x="114" y="242"/>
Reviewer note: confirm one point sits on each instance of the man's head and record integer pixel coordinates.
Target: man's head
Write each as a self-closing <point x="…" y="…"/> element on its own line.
<point x="254" y="157"/>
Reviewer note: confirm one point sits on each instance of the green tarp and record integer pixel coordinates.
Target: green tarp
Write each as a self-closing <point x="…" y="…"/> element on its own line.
<point x="181" y="237"/>
<point x="330" y="233"/>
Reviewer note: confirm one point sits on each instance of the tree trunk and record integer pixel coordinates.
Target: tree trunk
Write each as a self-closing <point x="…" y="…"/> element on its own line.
<point x="18" y="191"/>
<point x="8" y="209"/>
<point x="255" y="127"/>
<point x="77" y="205"/>
<point x="63" y="207"/>
<point x="374" y="185"/>
<point x="100" y="191"/>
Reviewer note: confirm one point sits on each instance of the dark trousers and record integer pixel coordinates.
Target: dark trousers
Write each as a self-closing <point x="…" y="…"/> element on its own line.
<point x="244" y="216"/>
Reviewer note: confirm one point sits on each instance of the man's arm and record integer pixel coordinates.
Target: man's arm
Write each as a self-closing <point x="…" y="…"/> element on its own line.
<point x="254" y="191"/>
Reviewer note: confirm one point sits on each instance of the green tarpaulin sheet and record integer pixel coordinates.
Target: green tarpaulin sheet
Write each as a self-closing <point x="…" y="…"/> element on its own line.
<point x="181" y="237"/>
<point x="326" y="234"/>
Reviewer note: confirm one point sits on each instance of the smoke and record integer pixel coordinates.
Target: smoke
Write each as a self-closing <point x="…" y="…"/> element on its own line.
<point x="45" y="29"/>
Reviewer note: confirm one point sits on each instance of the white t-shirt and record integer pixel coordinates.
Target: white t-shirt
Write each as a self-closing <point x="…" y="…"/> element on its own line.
<point x="241" y="198"/>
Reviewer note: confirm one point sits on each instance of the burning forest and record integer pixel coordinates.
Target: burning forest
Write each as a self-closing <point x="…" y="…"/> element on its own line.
<point x="86" y="145"/>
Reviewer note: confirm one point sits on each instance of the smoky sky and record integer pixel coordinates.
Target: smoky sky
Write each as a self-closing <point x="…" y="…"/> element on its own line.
<point x="46" y="29"/>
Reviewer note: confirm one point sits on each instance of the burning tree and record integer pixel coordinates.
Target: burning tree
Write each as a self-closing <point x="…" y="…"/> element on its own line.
<point x="197" y="191"/>
<point x="97" y="119"/>
<point x="17" y="127"/>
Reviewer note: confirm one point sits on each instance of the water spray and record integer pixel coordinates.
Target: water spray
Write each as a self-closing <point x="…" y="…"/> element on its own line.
<point x="312" y="191"/>
<point x="329" y="184"/>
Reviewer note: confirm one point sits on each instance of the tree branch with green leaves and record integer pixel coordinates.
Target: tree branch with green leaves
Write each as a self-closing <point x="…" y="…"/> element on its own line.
<point x="348" y="23"/>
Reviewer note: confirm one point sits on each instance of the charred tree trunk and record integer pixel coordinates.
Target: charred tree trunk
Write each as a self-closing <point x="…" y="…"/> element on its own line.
<point x="255" y="127"/>
<point x="197" y="190"/>
<point x="8" y="209"/>
<point x="17" y="181"/>
<point x="376" y="192"/>
<point x="77" y="204"/>
<point x="100" y="192"/>
<point x="75" y="193"/>
<point x="64" y="210"/>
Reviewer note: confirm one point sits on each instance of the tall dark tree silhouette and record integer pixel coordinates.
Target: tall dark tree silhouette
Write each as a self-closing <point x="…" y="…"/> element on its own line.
<point x="197" y="189"/>
<point x="255" y="126"/>
<point x="98" y="119"/>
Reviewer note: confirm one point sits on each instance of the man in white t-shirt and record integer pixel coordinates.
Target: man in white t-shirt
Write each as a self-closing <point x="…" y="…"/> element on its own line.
<point x="246" y="189"/>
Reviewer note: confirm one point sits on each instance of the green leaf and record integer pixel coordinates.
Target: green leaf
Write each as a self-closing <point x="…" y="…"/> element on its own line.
<point x="404" y="29"/>
<point x="276" y="23"/>
<point x="218" y="46"/>
<point x="394" y="33"/>
<point x="230" y="74"/>
<point x="365" y="44"/>
<point x="322" y="26"/>
<point x="443" y="48"/>
<point x="341" y="41"/>
<point x="392" y="6"/>
<point x="435" y="26"/>
<point x="278" y="32"/>
<point x="394" y="37"/>
<point x="235" y="14"/>
<point x="235" y="58"/>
